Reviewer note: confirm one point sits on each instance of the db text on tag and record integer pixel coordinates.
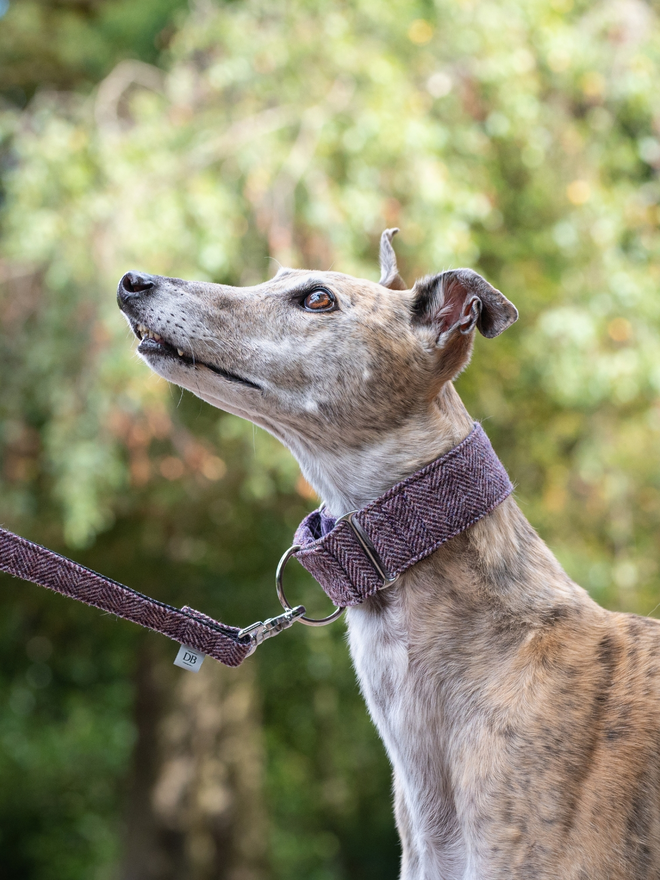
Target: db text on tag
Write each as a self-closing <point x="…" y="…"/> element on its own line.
<point x="189" y="658"/>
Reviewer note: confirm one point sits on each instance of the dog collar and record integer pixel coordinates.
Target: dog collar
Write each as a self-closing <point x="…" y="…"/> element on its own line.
<point x="355" y="555"/>
<point x="351" y="557"/>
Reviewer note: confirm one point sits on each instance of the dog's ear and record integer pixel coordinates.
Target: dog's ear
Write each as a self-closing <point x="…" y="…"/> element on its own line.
<point x="389" y="272"/>
<point x="460" y="300"/>
<point x="451" y="305"/>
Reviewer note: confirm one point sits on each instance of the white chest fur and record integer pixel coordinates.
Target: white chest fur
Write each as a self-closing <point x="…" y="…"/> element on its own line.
<point x="405" y="702"/>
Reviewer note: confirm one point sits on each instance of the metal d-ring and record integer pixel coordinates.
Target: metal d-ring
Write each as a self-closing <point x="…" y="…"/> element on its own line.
<point x="308" y="621"/>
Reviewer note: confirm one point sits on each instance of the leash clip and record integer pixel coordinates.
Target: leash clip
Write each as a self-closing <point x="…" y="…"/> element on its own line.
<point x="265" y="629"/>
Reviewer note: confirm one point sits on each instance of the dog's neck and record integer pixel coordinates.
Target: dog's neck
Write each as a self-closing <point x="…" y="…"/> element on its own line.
<point x="500" y="558"/>
<point x="349" y="478"/>
<point x="428" y="650"/>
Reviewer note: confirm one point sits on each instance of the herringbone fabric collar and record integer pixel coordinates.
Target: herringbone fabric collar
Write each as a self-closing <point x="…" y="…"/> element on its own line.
<point x="406" y="524"/>
<point x="401" y="527"/>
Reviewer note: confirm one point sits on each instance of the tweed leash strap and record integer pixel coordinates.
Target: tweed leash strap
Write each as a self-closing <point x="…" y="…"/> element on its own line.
<point x="35" y="563"/>
<point x="355" y="556"/>
<point x="351" y="557"/>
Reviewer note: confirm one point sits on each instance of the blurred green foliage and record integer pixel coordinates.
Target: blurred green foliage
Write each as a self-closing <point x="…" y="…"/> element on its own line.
<point x="65" y="44"/>
<point x="519" y="137"/>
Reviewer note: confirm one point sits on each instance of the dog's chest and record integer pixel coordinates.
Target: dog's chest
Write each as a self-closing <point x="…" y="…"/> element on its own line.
<point x="406" y="708"/>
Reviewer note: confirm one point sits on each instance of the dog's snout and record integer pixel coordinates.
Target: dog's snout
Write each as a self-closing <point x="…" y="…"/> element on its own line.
<point x="133" y="283"/>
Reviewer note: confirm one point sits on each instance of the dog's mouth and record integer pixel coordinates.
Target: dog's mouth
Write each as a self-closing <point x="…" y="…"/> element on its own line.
<point x="152" y="343"/>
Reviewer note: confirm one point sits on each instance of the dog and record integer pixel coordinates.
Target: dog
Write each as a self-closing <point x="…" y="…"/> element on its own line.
<point x="522" y="721"/>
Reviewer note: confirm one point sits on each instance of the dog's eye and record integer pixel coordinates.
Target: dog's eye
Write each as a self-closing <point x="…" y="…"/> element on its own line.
<point x="319" y="300"/>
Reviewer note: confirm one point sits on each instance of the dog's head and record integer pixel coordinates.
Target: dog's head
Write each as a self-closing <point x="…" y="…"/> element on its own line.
<point x="315" y="357"/>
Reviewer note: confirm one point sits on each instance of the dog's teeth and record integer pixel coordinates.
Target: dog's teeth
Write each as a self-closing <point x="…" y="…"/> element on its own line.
<point x="179" y="352"/>
<point x="146" y="333"/>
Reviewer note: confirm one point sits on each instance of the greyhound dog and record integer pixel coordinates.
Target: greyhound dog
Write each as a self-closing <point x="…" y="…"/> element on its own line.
<point x="522" y="720"/>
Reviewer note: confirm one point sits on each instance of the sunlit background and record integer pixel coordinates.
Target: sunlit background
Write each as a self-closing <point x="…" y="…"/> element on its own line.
<point x="213" y="140"/>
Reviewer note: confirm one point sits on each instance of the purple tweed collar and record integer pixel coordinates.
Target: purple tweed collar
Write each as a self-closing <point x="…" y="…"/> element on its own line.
<point x="351" y="557"/>
<point x="356" y="555"/>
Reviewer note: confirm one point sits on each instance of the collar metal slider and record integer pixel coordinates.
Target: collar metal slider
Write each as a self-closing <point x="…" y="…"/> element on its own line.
<point x="368" y="547"/>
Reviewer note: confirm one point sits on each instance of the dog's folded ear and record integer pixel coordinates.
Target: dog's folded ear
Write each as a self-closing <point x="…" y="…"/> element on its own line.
<point x="460" y="300"/>
<point x="447" y="308"/>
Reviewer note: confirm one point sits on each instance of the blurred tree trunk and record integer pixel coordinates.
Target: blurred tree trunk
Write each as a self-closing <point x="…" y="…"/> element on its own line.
<point x="195" y="806"/>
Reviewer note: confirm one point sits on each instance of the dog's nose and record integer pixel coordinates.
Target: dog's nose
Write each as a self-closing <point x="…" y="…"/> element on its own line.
<point x="133" y="283"/>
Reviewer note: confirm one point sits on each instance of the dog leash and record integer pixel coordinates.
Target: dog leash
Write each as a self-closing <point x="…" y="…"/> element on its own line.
<point x="352" y="556"/>
<point x="192" y="629"/>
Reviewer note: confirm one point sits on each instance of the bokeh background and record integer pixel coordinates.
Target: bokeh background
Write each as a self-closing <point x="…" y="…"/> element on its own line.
<point x="209" y="140"/>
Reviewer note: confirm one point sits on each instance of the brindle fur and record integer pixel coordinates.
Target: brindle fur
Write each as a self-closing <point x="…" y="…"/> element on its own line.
<point x="521" y="719"/>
